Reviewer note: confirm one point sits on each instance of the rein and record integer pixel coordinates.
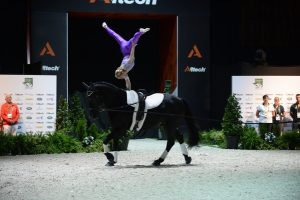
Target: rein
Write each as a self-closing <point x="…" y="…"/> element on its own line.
<point x="116" y="108"/>
<point x="175" y="115"/>
<point x="119" y="109"/>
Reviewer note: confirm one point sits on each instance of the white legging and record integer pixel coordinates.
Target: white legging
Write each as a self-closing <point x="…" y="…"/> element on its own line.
<point x="8" y="129"/>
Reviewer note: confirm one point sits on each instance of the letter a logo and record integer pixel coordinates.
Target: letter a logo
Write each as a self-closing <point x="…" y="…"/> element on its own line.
<point x="47" y="49"/>
<point x="187" y="69"/>
<point x="195" y="52"/>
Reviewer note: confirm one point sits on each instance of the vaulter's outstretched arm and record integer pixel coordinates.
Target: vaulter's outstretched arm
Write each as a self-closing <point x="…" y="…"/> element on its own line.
<point x="128" y="83"/>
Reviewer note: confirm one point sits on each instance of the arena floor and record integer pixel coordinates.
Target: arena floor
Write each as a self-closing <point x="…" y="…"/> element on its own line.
<point x="215" y="174"/>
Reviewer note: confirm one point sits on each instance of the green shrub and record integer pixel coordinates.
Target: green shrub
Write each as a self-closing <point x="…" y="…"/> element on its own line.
<point x="97" y="146"/>
<point x="232" y="124"/>
<point x="80" y="129"/>
<point x="57" y="142"/>
<point x="63" y="121"/>
<point x="76" y="112"/>
<point x="6" y="144"/>
<point x="266" y="146"/>
<point x="93" y="131"/>
<point x="280" y="143"/>
<point x="25" y="144"/>
<point x="263" y="129"/>
<point x="102" y="134"/>
<point x="250" y="139"/>
<point x="292" y="138"/>
<point x="62" y="143"/>
<point x="213" y="137"/>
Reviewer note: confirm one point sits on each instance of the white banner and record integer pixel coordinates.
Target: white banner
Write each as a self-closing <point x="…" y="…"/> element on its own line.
<point x="35" y="96"/>
<point x="249" y="91"/>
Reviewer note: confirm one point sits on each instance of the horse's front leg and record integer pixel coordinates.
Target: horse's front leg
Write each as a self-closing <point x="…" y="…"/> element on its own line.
<point x="106" y="150"/>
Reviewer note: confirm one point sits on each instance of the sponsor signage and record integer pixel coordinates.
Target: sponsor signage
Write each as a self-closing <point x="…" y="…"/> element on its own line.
<point x="126" y="2"/>
<point x="194" y="69"/>
<point x="138" y="2"/>
<point x="192" y="55"/>
<point x="249" y="91"/>
<point x="29" y="92"/>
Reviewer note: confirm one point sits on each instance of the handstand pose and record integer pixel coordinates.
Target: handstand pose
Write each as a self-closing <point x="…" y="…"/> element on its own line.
<point x="127" y="49"/>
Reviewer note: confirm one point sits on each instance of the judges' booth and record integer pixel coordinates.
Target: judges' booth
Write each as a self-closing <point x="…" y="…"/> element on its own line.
<point x="35" y="96"/>
<point x="249" y="91"/>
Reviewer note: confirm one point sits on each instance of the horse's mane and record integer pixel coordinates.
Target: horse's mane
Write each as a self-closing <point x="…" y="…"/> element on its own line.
<point x="107" y="84"/>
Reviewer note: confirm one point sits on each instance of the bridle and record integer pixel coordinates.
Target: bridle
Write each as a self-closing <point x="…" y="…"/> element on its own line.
<point x="89" y="93"/>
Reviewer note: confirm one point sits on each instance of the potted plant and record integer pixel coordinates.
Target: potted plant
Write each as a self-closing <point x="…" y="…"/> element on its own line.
<point x="292" y="138"/>
<point x="232" y="123"/>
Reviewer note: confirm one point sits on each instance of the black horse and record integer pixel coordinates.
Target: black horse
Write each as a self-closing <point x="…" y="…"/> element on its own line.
<point x="169" y="113"/>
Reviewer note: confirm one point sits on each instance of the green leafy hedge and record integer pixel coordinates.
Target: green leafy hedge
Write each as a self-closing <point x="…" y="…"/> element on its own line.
<point x="213" y="137"/>
<point x="292" y="138"/>
<point x="250" y="140"/>
<point x="57" y="142"/>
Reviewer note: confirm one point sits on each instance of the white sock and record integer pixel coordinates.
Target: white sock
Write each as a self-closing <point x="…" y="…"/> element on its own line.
<point x="116" y="156"/>
<point x="183" y="149"/>
<point x="144" y="30"/>
<point x="105" y="148"/>
<point x="164" y="154"/>
<point x="104" y="25"/>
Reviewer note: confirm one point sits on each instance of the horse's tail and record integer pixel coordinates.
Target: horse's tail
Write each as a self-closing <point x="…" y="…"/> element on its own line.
<point x="193" y="138"/>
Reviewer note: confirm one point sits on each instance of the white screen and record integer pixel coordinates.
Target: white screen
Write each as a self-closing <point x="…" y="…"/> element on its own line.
<point x="35" y="96"/>
<point x="250" y="89"/>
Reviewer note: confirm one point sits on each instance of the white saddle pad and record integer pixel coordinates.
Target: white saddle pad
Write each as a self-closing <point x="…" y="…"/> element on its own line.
<point x="154" y="100"/>
<point x="151" y="102"/>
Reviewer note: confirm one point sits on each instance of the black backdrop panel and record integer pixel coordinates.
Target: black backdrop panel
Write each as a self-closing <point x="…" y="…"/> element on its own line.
<point x="194" y="55"/>
<point x="193" y="30"/>
<point x="49" y="46"/>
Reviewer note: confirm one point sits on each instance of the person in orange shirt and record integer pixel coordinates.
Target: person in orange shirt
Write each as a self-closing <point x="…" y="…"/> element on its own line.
<point x="10" y="115"/>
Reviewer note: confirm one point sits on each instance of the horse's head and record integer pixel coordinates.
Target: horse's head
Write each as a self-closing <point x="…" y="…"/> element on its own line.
<point x="102" y="95"/>
<point x="95" y="99"/>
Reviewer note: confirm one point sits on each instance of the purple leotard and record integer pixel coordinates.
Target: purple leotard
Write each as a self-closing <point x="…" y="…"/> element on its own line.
<point x="125" y="46"/>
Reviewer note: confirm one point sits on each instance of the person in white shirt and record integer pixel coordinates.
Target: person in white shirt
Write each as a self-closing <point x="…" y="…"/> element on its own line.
<point x="265" y="113"/>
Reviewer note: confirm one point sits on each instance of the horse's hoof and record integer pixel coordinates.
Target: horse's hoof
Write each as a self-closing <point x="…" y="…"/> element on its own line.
<point x="110" y="164"/>
<point x="188" y="160"/>
<point x="157" y="162"/>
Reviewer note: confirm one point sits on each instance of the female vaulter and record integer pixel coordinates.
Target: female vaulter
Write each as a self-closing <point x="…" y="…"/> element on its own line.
<point x="127" y="48"/>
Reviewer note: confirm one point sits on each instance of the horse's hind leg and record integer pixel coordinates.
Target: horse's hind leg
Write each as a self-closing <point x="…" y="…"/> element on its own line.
<point x="179" y="138"/>
<point x="171" y="141"/>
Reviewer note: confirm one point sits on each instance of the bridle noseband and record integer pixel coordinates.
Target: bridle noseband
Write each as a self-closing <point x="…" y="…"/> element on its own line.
<point x="89" y="93"/>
